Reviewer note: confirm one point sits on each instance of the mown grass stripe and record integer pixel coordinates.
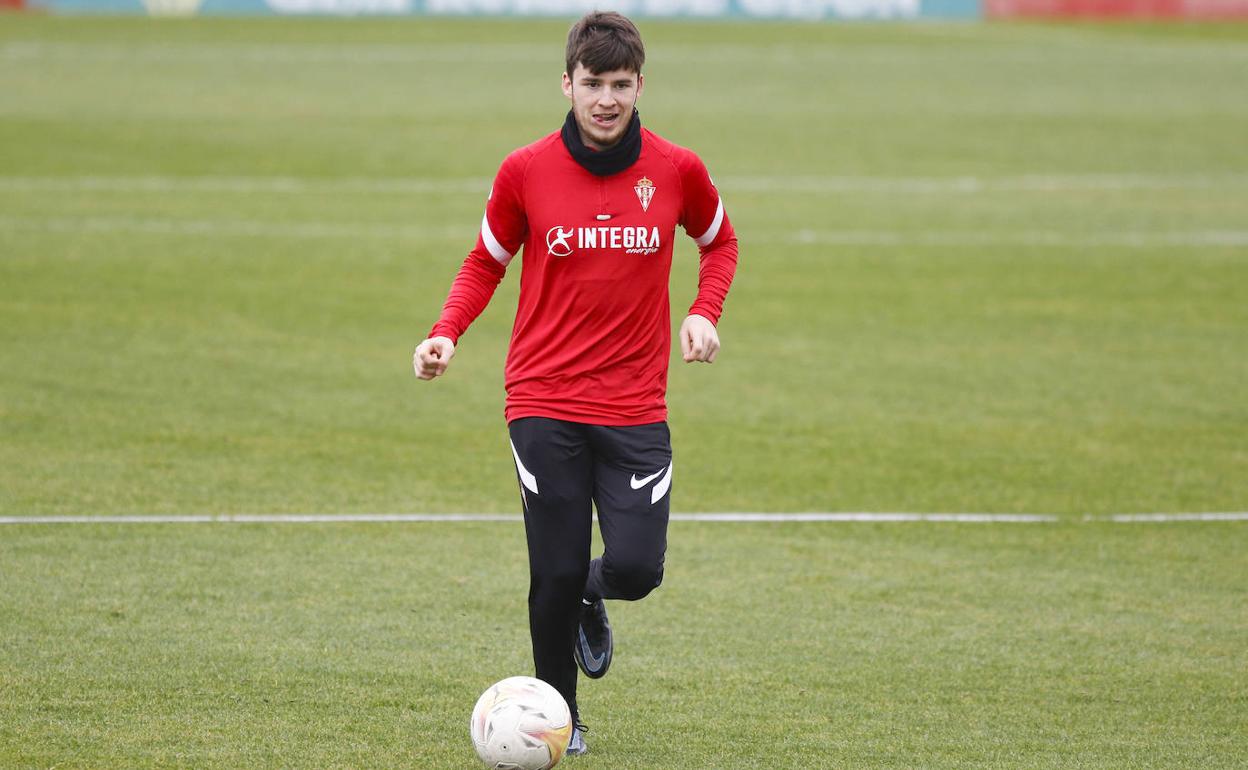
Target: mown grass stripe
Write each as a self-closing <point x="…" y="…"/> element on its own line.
<point x="454" y="52"/>
<point x="771" y="184"/>
<point x="849" y="517"/>
<point x="229" y="228"/>
<point x="233" y="228"/>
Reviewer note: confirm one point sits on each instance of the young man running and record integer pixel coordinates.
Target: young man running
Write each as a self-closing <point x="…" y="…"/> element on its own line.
<point x="594" y="206"/>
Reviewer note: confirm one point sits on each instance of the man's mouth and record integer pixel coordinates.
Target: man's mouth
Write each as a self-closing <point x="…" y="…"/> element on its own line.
<point x="606" y="119"/>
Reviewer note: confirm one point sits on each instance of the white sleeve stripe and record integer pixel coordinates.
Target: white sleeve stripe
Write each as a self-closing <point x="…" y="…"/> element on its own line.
<point x="491" y="243"/>
<point x="713" y="231"/>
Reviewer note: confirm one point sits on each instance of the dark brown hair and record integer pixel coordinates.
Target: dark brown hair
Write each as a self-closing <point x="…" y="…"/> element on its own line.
<point x="605" y="41"/>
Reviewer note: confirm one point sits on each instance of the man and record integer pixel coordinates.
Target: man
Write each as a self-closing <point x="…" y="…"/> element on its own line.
<point x="594" y="207"/>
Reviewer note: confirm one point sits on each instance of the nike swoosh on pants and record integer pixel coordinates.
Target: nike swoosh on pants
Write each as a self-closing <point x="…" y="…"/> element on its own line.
<point x="637" y="483"/>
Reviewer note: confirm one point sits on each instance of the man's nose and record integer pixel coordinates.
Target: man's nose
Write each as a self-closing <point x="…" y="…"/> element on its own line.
<point x="607" y="97"/>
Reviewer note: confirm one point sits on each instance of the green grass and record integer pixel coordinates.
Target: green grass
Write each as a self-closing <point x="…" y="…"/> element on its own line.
<point x="984" y="268"/>
<point x="191" y="349"/>
<point x="881" y="646"/>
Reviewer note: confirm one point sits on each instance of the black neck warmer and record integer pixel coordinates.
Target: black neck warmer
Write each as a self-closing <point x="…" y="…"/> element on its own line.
<point x="612" y="160"/>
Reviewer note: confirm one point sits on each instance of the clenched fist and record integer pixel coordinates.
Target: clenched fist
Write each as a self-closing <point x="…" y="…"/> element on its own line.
<point x="432" y="357"/>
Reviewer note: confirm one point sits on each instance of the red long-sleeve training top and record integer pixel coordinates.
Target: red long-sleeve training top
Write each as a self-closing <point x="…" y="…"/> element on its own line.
<point x="592" y="335"/>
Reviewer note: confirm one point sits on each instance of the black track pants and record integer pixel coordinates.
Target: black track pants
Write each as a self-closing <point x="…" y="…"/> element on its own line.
<point x="566" y="468"/>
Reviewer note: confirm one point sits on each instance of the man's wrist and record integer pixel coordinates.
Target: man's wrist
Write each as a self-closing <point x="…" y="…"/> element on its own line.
<point x="703" y="315"/>
<point x="436" y="332"/>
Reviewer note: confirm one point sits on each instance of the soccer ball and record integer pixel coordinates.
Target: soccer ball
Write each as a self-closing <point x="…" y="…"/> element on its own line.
<point x="521" y="723"/>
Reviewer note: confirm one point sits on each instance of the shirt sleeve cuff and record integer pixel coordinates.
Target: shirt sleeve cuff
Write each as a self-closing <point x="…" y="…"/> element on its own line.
<point x="705" y="312"/>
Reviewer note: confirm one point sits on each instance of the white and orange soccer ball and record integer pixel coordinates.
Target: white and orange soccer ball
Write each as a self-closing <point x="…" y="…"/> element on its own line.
<point x="521" y="723"/>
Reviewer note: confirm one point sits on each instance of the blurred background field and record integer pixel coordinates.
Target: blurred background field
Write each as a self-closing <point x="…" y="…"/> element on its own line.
<point x="998" y="267"/>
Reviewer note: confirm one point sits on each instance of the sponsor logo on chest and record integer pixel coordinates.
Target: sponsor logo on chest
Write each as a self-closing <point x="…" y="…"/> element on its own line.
<point x="562" y="241"/>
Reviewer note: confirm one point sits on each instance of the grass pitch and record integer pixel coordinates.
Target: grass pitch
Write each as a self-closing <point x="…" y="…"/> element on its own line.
<point x="984" y="268"/>
<point x="803" y="646"/>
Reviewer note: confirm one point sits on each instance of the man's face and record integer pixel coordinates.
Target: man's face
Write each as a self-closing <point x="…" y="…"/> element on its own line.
<point x="602" y="103"/>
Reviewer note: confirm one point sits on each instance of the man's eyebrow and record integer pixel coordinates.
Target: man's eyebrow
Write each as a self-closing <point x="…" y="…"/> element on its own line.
<point x="589" y="78"/>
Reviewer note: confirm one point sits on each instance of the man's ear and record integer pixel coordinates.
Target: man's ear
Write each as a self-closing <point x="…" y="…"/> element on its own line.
<point x="567" y="85"/>
<point x="641" y="82"/>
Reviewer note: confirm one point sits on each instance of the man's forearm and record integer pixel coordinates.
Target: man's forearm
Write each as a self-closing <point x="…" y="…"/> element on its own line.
<point x="470" y="292"/>
<point x="717" y="266"/>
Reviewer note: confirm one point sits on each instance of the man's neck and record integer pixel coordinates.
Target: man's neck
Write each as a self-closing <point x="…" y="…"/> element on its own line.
<point x="598" y="159"/>
<point x="594" y="145"/>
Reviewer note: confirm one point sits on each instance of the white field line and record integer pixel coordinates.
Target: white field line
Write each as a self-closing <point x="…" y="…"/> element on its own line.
<point x="746" y="184"/>
<point x="1127" y="239"/>
<point x="233" y="228"/>
<point x="1135" y="518"/>
<point x="260" y="518"/>
<point x="252" y="185"/>
<point x="304" y="518"/>
<point x="969" y="184"/>
<point x="968" y="518"/>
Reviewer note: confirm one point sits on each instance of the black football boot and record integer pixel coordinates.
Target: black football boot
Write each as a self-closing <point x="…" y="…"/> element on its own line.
<point x="592" y="649"/>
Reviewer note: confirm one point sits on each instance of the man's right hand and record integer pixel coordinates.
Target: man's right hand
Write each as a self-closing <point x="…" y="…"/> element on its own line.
<point x="432" y="357"/>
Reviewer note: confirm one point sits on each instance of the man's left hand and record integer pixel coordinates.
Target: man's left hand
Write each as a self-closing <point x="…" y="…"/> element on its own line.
<point x="698" y="340"/>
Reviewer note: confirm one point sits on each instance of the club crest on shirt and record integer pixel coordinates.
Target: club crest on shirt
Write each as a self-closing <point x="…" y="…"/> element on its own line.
<point x="645" y="191"/>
